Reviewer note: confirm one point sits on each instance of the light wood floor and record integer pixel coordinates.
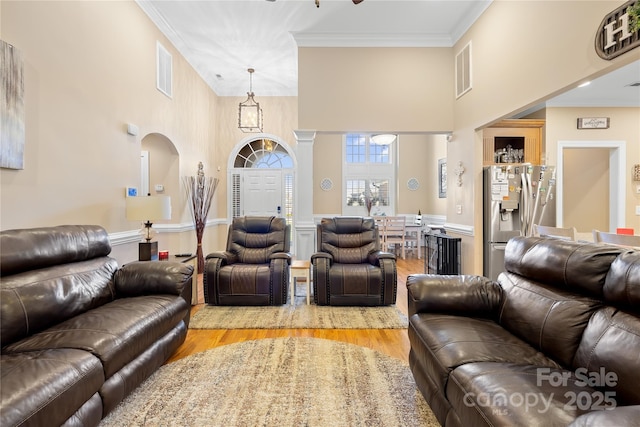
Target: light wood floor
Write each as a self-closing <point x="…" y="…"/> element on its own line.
<point x="393" y="342"/>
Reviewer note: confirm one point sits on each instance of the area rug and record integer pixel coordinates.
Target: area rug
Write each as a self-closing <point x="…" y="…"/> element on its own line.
<point x="298" y="316"/>
<point x="278" y="382"/>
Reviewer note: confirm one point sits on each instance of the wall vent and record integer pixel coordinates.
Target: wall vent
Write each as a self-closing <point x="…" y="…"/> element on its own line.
<point x="463" y="71"/>
<point x="164" y="70"/>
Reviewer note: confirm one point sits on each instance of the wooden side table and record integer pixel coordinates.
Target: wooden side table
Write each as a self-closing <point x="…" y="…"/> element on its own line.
<point x="299" y="268"/>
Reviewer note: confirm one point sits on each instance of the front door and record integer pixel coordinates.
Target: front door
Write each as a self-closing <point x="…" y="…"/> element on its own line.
<point x="262" y="192"/>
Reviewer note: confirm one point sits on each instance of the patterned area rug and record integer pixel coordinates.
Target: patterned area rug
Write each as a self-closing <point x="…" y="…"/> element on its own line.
<point x="299" y="316"/>
<point x="278" y="382"/>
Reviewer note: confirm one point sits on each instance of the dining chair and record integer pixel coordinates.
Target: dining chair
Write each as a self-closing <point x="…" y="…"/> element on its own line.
<point x="395" y="233"/>
<point x="616" y="239"/>
<point x="381" y="222"/>
<point x="568" y="233"/>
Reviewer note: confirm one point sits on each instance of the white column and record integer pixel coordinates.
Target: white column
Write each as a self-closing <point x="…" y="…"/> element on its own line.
<point x="304" y="226"/>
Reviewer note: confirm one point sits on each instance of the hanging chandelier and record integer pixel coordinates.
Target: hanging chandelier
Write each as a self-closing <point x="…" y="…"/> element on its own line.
<point x="249" y="112"/>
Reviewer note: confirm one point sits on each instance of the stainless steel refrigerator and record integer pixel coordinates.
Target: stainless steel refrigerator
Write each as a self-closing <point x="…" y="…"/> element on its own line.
<point x="516" y="196"/>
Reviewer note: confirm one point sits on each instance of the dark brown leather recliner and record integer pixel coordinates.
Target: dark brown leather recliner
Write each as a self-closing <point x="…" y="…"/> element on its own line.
<point x="254" y="269"/>
<point x="349" y="268"/>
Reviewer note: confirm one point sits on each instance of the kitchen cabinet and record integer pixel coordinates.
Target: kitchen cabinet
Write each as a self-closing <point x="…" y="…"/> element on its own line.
<point x="525" y="136"/>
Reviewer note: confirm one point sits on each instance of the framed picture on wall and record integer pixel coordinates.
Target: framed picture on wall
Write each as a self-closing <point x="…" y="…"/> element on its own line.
<point x="442" y="178"/>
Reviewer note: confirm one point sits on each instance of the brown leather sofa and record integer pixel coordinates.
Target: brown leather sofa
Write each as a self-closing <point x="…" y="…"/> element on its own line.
<point x="254" y="268"/>
<point x="349" y="268"/>
<point x="555" y="342"/>
<point x="78" y="333"/>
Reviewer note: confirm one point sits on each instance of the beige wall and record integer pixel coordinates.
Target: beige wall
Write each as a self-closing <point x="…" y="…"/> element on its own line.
<point x="86" y="78"/>
<point x="375" y="89"/>
<point x="624" y="126"/>
<point x="89" y="70"/>
<point x="417" y="156"/>
<point x="586" y="189"/>
<point x="517" y="64"/>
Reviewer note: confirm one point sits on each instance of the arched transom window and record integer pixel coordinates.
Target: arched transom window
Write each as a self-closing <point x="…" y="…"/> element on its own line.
<point x="265" y="154"/>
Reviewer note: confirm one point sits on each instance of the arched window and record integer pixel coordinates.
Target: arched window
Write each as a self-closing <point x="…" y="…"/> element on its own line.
<point x="263" y="153"/>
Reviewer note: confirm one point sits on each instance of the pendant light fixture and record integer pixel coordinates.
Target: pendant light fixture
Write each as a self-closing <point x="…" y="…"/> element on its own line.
<point x="383" y="139"/>
<point x="249" y="112"/>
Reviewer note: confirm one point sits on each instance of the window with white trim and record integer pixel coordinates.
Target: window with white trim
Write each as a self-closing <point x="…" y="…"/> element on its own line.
<point x="368" y="176"/>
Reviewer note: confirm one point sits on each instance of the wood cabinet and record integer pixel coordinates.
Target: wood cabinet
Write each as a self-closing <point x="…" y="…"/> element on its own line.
<point x="524" y="132"/>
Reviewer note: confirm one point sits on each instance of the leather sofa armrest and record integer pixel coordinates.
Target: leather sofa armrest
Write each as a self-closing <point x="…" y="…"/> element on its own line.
<point x="152" y="277"/>
<point x="281" y="255"/>
<point x="226" y="257"/>
<point x="619" y="416"/>
<point x="462" y="295"/>
<point x="320" y="255"/>
<point x="376" y="256"/>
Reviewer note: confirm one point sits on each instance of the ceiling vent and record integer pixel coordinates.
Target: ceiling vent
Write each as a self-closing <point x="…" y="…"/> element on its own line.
<point x="463" y="71"/>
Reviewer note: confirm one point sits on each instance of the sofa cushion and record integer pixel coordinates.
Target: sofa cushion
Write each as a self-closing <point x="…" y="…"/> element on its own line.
<point x="550" y="319"/>
<point x="116" y="333"/>
<point x="35" y="300"/>
<point x="622" y="284"/>
<point x="572" y="266"/>
<point x="34" y="248"/>
<point x="443" y="342"/>
<point x="520" y="395"/>
<point x="349" y="240"/>
<point x="46" y="387"/>
<point x="612" y="340"/>
<point x="255" y="239"/>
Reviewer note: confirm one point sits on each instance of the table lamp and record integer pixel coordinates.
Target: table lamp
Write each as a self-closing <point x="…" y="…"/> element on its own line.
<point x="148" y="208"/>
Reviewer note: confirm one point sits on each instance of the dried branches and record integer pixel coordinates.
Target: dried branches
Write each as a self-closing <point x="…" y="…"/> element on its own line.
<point x="200" y="191"/>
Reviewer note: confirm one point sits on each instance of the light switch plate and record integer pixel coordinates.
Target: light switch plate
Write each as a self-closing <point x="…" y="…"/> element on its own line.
<point x="637" y="210"/>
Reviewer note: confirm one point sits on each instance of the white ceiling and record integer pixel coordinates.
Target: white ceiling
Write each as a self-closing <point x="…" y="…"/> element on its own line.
<point x="221" y="39"/>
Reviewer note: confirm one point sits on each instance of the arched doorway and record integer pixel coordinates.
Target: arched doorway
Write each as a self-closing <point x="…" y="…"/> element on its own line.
<point x="261" y="178"/>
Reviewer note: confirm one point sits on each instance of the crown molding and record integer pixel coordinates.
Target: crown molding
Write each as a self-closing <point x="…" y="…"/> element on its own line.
<point x="311" y="39"/>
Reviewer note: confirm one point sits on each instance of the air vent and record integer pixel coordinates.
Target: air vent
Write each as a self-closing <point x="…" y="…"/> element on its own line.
<point x="463" y="71"/>
<point x="636" y="84"/>
<point x="164" y="70"/>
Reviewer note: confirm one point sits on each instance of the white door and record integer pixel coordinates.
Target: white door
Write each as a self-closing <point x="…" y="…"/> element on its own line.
<point x="262" y="192"/>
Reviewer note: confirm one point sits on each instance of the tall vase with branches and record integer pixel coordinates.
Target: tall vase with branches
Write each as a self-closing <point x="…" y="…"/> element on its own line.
<point x="200" y="191"/>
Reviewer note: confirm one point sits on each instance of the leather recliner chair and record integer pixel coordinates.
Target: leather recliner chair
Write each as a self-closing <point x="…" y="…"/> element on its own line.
<point x="254" y="268"/>
<point x="349" y="268"/>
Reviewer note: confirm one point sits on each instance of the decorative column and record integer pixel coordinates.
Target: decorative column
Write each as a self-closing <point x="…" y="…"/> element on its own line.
<point x="304" y="227"/>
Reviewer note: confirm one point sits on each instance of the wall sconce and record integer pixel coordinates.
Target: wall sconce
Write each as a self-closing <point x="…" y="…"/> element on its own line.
<point x="636" y="173"/>
<point x="460" y="170"/>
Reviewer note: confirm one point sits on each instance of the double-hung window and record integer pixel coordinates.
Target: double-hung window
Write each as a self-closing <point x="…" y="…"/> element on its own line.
<point x="368" y="176"/>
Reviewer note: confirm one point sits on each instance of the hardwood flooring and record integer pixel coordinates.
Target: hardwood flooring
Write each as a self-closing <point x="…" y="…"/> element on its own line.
<point x="393" y="342"/>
